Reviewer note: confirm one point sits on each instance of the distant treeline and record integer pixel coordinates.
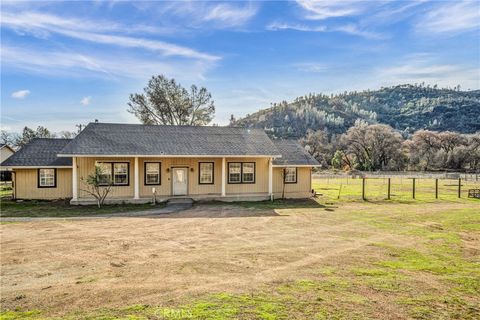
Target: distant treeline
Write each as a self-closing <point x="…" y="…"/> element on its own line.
<point x="379" y="147"/>
<point x="16" y="140"/>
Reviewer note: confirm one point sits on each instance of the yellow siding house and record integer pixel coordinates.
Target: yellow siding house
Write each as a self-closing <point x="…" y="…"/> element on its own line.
<point x="142" y="161"/>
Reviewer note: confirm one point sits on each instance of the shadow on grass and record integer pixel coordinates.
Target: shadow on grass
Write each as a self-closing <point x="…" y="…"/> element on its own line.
<point x="243" y="209"/>
<point x="218" y="209"/>
<point x="276" y="204"/>
<point x="201" y="209"/>
<point x="62" y="208"/>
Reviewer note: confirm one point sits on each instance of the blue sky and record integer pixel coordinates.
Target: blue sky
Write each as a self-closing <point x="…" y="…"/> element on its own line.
<point x="65" y="63"/>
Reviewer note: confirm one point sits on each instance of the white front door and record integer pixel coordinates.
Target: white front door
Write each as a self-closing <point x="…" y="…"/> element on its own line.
<point x="180" y="181"/>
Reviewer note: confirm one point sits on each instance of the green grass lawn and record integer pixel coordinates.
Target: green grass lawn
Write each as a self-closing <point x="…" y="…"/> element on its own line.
<point x="401" y="189"/>
<point x="5" y="189"/>
<point x="62" y="208"/>
<point x="57" y="208"/>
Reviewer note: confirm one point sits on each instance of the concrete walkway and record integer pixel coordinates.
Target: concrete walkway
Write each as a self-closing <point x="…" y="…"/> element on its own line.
<point x="171" y="207"/>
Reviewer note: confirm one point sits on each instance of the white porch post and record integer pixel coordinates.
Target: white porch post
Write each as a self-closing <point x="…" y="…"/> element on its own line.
<point x="270" y="178"/>
<point x="74" y="179"/>
<point x="223" y="177"/>
<point x="135" y="180"/>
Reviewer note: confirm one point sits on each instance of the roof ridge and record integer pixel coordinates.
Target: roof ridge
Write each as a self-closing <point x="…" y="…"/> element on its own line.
<point x="171" y="125"/>
<point x="42" y="138"/>
<point x="141" y="139"/>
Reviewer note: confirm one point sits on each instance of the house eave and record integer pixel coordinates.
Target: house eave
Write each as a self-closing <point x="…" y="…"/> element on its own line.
<point x="35" y="167"/>
<point x="296" y="165"/>
<point x="168" y="156"/>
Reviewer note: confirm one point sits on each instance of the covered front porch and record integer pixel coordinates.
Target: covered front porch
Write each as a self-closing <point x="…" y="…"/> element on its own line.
<point x="143" y="179"/>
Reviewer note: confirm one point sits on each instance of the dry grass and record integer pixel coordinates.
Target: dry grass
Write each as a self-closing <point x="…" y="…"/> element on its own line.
<point x="342" y="261"/>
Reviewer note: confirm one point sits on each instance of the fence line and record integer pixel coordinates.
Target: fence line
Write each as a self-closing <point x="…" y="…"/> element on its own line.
<point x="405" y="174"/>
<point x="399" y="187"/>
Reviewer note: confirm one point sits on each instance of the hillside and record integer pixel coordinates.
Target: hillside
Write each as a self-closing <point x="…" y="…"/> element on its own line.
<point x="406" y="108"/>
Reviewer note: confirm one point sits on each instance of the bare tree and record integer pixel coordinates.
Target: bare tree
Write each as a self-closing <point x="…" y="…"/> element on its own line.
<point x="318" y="145"/>
<point x="8" y="138"/>
<point x="97" y="186"/>
<point x="164" y="101"/>
<point x="453" y="149"/>
<point x="373" y="147"/>
<point x="423" y="148"/>
<point x="473" y="146"/>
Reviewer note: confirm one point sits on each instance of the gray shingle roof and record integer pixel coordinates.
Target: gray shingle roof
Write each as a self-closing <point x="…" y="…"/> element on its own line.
<point x="137" y="139"/>
<point x="40" y="152"/>
<point x="293" y="154"/>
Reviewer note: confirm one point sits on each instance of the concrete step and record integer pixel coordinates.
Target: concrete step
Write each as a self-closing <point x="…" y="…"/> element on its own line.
<point x="180" y="201"/>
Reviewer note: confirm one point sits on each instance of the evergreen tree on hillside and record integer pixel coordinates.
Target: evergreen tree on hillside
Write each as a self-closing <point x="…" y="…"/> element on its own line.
<point x="407" y="108"/>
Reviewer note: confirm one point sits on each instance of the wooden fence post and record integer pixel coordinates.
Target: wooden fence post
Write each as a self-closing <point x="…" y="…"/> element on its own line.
<point x="388" y="195"/>
<point x="436" y="188"/>
<point x="363" y="189"/>
<point x="413" y="188"/>
<point x="459" y="187"/>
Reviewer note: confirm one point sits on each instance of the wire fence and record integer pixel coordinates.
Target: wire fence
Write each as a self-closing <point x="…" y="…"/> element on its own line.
<point x="393" y="188"/>
<point x="401" y="174"/>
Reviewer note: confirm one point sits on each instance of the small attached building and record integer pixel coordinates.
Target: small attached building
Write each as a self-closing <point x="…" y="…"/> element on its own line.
<point x="37" y="171"/>
<point x="218" y="163"/>
<point x="5" y="152"/>
<point x="292" y="173"/>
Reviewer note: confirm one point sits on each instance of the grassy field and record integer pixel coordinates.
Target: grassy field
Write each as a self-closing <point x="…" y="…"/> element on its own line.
<point x="401" y="189"/>
<point x="57" y="208"/>
<point x="5" y="189"/>
<point x="62" y="208"/>
<point x="282" y="260"/>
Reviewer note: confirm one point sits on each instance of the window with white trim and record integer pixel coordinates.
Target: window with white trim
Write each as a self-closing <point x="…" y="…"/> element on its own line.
<point x="234" y="172"/>
<point x="205" y="173"/>
<point x="248" y="172"/>
<point x="152" y="173"/>
<point x="290" y="175"/>
<point x="46" y="178"/>
<point x="120" y="173"/>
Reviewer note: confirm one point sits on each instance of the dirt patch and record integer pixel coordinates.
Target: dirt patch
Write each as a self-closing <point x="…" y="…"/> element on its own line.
<point x="60" y="266"/>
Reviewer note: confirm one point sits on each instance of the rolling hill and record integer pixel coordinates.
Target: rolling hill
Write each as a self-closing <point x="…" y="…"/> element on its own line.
<point x="406" y="108"/>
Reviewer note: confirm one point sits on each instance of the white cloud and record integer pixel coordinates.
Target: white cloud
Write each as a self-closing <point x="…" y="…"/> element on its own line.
<point x="42" y="25"/>
<point x="349" y="29"/>
<point x="314" y="67"/>
<point x="425" y="68"/>
<point x="320" y="10"/>
<point x="452" y="17"/>
<point x="167" y="49"/>
<point x="277" y="26"/>
<point x="71" y="64"/>
<point x="230" y="15"/>
<point x="356" y="31"/>
<point x="32" y="19"/>
<point x="20" y="94"/>
<point x="205" y="13"/>
<point x="86" y="101"/>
